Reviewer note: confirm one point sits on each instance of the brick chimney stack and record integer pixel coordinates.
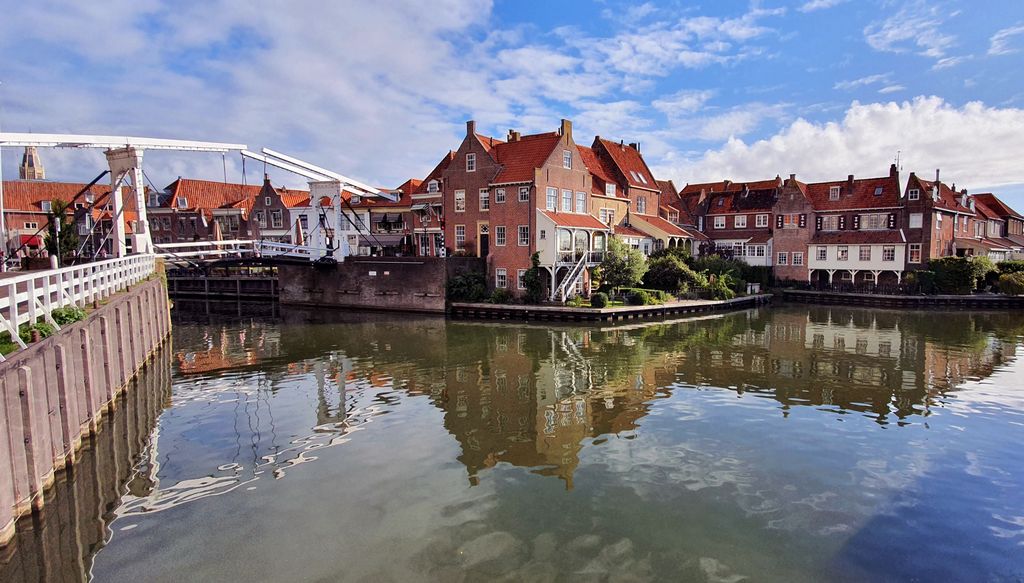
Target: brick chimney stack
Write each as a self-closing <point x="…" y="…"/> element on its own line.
<point x="470" y="127"/>
<point x="566" y="129"/>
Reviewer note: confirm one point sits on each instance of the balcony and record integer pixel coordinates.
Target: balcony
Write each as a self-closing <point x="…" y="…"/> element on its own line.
<point x="573" y="257"/>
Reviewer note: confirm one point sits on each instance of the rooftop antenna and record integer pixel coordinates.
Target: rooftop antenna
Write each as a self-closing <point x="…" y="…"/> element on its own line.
<point x="898" y="167"/>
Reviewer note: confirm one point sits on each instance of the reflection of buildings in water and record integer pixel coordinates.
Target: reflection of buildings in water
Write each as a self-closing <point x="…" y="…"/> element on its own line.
<point x="231" y="348"/>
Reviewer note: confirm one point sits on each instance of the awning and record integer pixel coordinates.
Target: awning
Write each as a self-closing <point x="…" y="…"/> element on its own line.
<point x="380" y="240"/>
<point x="420" y="206"/>
<point x="32" y="240"/>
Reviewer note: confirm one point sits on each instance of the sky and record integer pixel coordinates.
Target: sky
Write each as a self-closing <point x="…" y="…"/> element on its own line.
<point x="381" y="90"/>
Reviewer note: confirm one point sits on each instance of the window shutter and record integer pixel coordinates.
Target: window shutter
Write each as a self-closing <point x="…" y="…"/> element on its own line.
<point x="778" y="221"/>
<point x="856" y="222"/>
<point x="892" y="220"/>
<point x="818" y="223"/>
<point x="803" y="221"/>
<point x="842" y="222"/>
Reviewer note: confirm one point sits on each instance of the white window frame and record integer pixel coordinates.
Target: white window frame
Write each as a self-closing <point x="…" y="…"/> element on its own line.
<point x="913" y="194"/>
<point x="914" y="247"/>
<point x="834" y="192"/>
<point x="719" y="222"/>
<point x="916" y="220"/>
<point x="471" y="162"/>
<point x="761" y="221"/>
<point x="432" y="187"/>
<point x="499" y="235"/>
<point x="499" y="195"/>
<point x="485" y="200"/>
<point x="843" y="253"/>
<point x="501" y="278"/>
<point x="181" y="202"/>
<point x="830" y="223"/>
<point x="798" y="258"/>
<point x="460" y="201"/>
<point x="524" y="235"/>
<point x="609" y="189"/>
<point x="581" y="202"/>
<point x="739" y="222"/>
<point x="460" y="235"/>
<point x="524" y="194"/>
<point x="881" y="220"/>
<point x="566" y="201"/>
<point x="821" y="253"/>
<point x="889" y="253"/>
<point x="567" y="159"/>
<point x="520" y="276"/>
<point x="551" y="200"/>
<point x="782" y="258"/>
<point x="31" y="225"/>
<point x="938" y="221"/>
<point x="862" y="249"/>
<point x="267" y="201"/>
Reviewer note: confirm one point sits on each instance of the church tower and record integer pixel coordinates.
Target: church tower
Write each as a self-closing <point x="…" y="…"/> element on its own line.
<point x="31" y="167"/>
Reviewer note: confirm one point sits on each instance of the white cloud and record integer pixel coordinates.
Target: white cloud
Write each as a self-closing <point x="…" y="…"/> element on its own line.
<point x="917" y="26"/>
<point x="814" y="5"/>
<point x="683" y="102"/>
<point x="973" y="145"/>
<point x="862" y="82"/>
<point x="1000" y="43"/>
<point x="891" y="89"/>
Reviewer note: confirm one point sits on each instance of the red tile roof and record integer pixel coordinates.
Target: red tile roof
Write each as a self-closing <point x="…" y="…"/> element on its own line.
<point x="575" y="220"/>
<point x="436" y="173"/>
<point x="206" y="195"/>
<point x="948" y="198"/>
<point x="627" y="231"/>
<point x="661" y="224"/>
<point x="883" y="236"/>
<point x="859" y="194"/>
<point x="753" y="200"/>
<point x="705" y="187"/>
<point x="985" y="243"/>
<point x="993" y="202"/>
<point x="600" y="170"/>
<point x="27" y="195"/>
<point x="630" y="164"/>
<point x="488" y="142"/>
<point x="668" y="190"/>
<point x="735" y="234"/>
<point x="520" y="159"/>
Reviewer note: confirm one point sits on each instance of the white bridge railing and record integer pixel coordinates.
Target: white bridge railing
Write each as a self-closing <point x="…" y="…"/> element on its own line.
<point x="31" y="297"/>
<point x="240" y="248"/>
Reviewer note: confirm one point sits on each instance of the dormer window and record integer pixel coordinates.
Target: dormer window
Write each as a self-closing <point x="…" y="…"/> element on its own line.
<point x="89" y="198"/>
<point x="833" y="193"/>
<point x="356" y="199"/>
<point x="609" y="189"/>
<point x="432" y="186"/>
<point x="47" y="206"/>
<point x="567" y="159"/>
<point x="182" y="202"/>
<point x="913" y="194"/>
<point x="470" y="162"/>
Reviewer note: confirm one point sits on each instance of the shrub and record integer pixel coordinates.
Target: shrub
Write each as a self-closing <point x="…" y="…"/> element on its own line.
<point x="923" y="279"/>
<point x="575" y="302"/>
<point x="599" y="300"/>
<point x="1012" y="283"/>
<point x="657" y="295"/>
<point x="68" y="315"/>
<point x="467" y="287"/>
<point x="532" y="282"/>
<point x="959" y="275"/>
<point x="1010" y="266"/>
<point x="669" y="274"/>
<point x="501" y="296"/>
<point x="676" y="252"/>
<point x="719" y="289"/>
<point x="639" y="298"/>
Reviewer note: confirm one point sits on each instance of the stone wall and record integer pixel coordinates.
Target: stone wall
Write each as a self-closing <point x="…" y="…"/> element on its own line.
<point x="415" y="284"/>
<point x="55" y="391"/>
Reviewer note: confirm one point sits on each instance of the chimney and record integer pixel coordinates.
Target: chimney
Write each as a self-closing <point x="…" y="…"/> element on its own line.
<point x="935" y="187"/>
<point x="635" y="146"/>
<point x="894" y="172"/>
<point x="513" y="136"/>
<point x="566" y="129"/>
<point x="470" y="127"/>
<point x="792" y="177"/>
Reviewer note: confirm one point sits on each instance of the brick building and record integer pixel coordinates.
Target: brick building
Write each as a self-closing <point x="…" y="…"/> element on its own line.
<point x="935" y="215"/>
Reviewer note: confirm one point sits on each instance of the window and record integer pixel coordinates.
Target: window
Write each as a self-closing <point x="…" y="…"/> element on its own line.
<point x="566" y="201"/>
<point x="485" y="199"/>
<point x="566" y="159"/>
<point x="878" y="191"/>
<point x="844" y="253"/>
<point x="869" y="277"/>
<point x="520" y="279"/>
<point x="432" y="186"/>
<point x="938" y="221"/>
<point x="791" y="221"/>
<point x="266" y="201"/>
<point x="913" y="194"/>
<point x="581" y="202"/>
<point x="182" y="202"/>
<point x="783" y="258"/>
<point x="609" y="189"/>
<point x="460" y="235"/>
<point x="916" y="220"/>
<point x="761" y="221"/>
<point x="499" y="235"/>
<point x="847" y="276"/>
<point x="304" y="222"/>
<point x="915" y="253"/>
<point x="470" y="162"/>
<point x="552" y="202"/>
<point x="641" y="204"/>
<point x="607" y="216"/>
<point x="460" y="201"/>
<point x="356" y="199"/>
<point x="830" y="223"/>
<point x="543" y="234"/>
<point x="261" y="218"/>
<point x="874" y="222"/>
<point x="524" y="194"/>
<point x="719" y="222"/>
<point x="833" y="193"/>
<point x="756" y="251"/>
<point x="865" y="253"/>
<point x="166" y="222"/>
<point x="275" y="219"/>
<point x="31" y="225"/>
<point x="798" y="258"/>
<point x="524" y="235"/>
<point x="822" y="253"/>
<point x="889" y="253"/>
<point x="500" y="277"/>
<point x="499" y="195"/>
<point x="739" y="221"/>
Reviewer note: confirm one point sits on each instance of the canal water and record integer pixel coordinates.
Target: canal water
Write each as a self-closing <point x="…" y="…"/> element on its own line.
<point x="778" y="444"/>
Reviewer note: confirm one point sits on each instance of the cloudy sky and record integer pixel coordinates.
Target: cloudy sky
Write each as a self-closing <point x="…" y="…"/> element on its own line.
<point x="381" y="90"/>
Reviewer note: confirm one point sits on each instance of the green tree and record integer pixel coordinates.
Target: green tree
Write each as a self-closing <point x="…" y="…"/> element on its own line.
<point x="532" y="282"/>
<point x="62" y="243"/>
<point x="668" y="273"/>
<point x="623" y="266"/>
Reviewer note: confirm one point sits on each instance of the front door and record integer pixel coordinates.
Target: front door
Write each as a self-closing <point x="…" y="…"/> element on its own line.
<point x="484" y="244"/>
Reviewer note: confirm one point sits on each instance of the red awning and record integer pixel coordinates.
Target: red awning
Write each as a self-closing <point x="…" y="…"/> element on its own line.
<point x="32" y="240"/>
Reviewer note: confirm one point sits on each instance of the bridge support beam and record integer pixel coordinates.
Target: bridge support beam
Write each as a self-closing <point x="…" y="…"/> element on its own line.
<point x="127" y="162"/>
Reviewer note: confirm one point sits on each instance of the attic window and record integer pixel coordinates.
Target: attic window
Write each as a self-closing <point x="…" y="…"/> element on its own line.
<point x="567" y="159"/>
<point x="878" y="191"/>
<point x="182" y="202"/>
<point x="267" y="201"/>
<point x="432" y="186"/>
<point x="609" y="189"/>
<point x="721" y="202"/>
<point x="913" y="194"/>
<point x="47" y="206"/>
<point x="470" y="162"/>
<point x="833" y="193"/>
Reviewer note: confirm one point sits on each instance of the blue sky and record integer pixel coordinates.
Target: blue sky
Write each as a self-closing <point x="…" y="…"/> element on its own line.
<point x="380" y="91"/>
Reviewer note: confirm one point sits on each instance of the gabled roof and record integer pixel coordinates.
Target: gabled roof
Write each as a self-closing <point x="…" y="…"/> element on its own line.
<point x="753" y="200"/>
<point x="985" y="212"/>
<point x="949" y="199"/>
<point x="629" y="162"/>
<point x="600" y="170"/>
<point x="998" y="206"/>
<point x="205" y="195"/>
<point x="661" y="224"/>
<point x="521" y="158"/>
<point x="574" y="220"/>
<point x="861" y="193"/>
<point x="28" y="195"/>
<point x="436" y="173"/>
<point x="668" y="190"/>
<point x="627" y="231"/>
<point x="697" y="188"/>
<point x="488" y="142"/>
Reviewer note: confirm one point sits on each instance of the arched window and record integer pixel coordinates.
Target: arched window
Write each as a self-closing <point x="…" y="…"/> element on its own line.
<point x="582" y="241"/>
<point x="564" y="240"/>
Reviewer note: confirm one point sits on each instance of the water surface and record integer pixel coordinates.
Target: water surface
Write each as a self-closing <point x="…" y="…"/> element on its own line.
<point x="779" y="444"/>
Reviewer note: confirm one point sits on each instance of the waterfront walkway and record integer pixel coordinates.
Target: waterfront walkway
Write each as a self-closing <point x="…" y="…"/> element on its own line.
<point x="610" y="314"/>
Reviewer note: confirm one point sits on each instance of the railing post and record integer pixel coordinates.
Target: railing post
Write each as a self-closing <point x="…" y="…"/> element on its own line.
<point x="31" y="292"/>
<point x="12" y="293"/>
